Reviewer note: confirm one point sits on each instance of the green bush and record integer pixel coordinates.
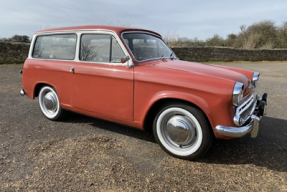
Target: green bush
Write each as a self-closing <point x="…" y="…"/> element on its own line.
<point x="282" y="36"/>
<point x="216" y="40"/>
<point x="17" y="38"/>
<point x="258" y="35"/>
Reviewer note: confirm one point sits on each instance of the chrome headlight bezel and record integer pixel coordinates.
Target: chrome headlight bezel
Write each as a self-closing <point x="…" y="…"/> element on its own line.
<point x="255" y="80"/>
<point x="237" y="95"/>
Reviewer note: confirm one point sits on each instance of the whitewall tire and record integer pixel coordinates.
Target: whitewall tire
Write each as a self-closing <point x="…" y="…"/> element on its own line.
<point x="49" y="103"/>
<point x="182" y="131"/>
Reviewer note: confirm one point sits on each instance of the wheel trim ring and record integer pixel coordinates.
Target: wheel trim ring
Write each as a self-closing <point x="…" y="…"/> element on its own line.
<point x="48" y="113"/>
<point x="178" y="151"/>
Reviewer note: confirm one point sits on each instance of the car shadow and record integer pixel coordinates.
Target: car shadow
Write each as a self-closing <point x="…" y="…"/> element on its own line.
<point x="268" y="150"/>
<point x="110" y="126"/>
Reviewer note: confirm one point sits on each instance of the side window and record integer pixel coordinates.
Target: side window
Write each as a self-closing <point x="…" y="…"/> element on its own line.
<point x="55" y="47"/>
<point x="117" y="52"/>
<point x="100" y="48"/>
<point x="95" y="47"/>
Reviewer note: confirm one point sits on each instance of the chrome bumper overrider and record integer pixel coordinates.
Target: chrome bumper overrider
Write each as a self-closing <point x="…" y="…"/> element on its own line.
<point x="252" y="126"/>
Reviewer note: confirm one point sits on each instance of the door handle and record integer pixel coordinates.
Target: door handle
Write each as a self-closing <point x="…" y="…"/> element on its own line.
<point x="72" y="70"/>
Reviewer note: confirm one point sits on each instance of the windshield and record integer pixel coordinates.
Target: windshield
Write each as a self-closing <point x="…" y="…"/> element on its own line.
<point x="146" y="47"/>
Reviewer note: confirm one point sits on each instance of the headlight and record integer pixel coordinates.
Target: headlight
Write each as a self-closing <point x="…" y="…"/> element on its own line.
<point x="255" y="80"/>
<point x="237" y="93"/>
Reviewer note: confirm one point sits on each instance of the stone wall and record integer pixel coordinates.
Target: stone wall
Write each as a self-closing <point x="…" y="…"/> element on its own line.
<point x="229" y="54"/>
<point x="18" y="52"/>
<point x="13" y="52"/>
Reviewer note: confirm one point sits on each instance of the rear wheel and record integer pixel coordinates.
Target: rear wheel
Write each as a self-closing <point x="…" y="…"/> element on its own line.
<point x="182" y="131"/>
<point x="49" y="103"/>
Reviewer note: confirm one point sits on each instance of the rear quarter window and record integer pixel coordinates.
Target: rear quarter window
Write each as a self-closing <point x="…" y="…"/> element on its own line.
<point x="61" y="47"/>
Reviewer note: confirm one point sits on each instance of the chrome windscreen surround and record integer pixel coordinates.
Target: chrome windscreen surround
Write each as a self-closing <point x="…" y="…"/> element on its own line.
<point x="245" y="110"/>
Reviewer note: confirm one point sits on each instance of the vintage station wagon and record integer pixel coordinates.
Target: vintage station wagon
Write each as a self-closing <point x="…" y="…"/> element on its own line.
<point x="130" y="76"/>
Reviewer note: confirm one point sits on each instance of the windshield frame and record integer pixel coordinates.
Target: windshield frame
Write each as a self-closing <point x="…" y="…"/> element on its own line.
<point x="152" y="34"/>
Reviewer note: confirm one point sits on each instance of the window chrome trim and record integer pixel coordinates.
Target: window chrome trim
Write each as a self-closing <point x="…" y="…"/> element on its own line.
<point x="110" y="49"/>
<point x="32" y="46"/>
<point x="103" y="63"/>
<point x="35" y="40"/>
<point x="79" y="33"/>
<point x="75" y="31"/>
<point x="157" y="58"/>
<point x="80" y="40"/>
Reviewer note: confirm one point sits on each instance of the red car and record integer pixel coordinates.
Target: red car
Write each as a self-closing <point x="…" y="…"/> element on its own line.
<point x="130" y="76"/>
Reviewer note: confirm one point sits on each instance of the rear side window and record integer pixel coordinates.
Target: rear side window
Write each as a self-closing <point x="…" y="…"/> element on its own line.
<point x="100" y="48"/>
<point x="55" y="47"/>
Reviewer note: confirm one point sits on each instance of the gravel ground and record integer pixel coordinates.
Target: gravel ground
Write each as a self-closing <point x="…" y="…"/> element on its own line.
<point x="87" y="154"/>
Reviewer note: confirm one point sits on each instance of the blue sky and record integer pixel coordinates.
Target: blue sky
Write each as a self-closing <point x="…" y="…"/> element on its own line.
<point x="187" y="18"/>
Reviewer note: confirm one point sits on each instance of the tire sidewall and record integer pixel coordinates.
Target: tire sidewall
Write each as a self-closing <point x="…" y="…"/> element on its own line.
<point x="204" y="126"/>
<point x="58" y="114"/>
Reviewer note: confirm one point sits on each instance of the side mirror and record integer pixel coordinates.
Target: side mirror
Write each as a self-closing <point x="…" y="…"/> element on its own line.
<point x="129" y="62"/>
<point x="125" y="59"/>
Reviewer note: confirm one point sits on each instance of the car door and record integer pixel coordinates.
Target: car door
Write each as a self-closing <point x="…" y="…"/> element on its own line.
<point x="101" y="83"/>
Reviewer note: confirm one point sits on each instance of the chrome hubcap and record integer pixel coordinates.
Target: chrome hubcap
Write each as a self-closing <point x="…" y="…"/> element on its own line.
<point x="180" y="130"/>
<point x="50" y="101"/>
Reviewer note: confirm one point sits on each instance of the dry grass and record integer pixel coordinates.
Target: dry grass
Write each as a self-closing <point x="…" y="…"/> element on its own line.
<point x="268" y="45"/>
<point x="250" y="42"/>
<point x="4" y="77"/>
<point x="97" y="163"/>
<point x="11" y="87"/>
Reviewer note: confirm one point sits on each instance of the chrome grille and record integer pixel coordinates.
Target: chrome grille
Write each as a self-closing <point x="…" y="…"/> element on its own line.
<point x="247" y="112"/>
<point x="246" y="109"/>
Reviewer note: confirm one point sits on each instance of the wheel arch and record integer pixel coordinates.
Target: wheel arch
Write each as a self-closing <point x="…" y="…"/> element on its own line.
<point x="158" y="103"/>
<point x="38" y="87"/>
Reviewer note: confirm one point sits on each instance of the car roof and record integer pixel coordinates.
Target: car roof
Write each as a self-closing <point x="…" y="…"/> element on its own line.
<point x="117" y="29"/>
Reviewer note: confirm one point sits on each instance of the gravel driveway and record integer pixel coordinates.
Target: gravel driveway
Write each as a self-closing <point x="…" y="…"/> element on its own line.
<point x="87" y="154"/>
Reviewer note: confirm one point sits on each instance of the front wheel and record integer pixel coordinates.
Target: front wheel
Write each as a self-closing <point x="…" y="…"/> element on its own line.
<point x="182" y="131"/>
<point x="49" y="103"/>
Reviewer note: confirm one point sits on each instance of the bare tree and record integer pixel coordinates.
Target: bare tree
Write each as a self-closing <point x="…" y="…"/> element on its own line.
<point x="88" y="51"/>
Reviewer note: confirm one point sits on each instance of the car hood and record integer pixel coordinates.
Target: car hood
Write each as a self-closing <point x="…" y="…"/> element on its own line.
<point x="227" y="73"/>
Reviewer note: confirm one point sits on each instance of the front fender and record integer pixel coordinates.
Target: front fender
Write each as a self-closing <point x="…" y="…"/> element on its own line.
<point x="215" y="107"/>
<point x="193" y="99"/>
<point x="141" y="110"/>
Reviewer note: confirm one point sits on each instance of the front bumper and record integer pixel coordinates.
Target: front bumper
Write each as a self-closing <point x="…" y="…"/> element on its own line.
<point x="260" y="109"/>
